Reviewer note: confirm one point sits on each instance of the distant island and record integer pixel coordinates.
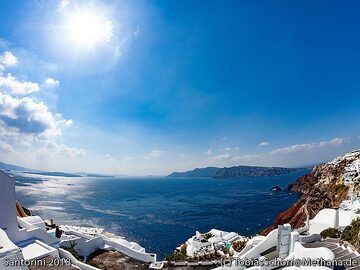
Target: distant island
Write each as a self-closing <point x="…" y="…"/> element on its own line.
<point x="198" y="172"/>
<point x="11" y="167"/>
<point x="235" y="172"/>
<point x="18" y="169"/>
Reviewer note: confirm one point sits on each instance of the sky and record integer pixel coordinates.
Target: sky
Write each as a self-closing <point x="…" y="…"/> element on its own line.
<point x="149" y="87"/>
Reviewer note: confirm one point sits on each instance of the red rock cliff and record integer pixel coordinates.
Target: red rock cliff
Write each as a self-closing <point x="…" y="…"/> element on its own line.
<point x="322" y="188"/>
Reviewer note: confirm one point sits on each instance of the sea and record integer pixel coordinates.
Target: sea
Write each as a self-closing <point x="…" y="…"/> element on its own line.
<point x="159" y="213"/>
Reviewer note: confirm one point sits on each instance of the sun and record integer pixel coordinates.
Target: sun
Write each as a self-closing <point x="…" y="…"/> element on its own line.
<point x="87" y="29"/>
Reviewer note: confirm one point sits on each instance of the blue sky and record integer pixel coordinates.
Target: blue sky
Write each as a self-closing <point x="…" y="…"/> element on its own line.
<point x="148" y="87"/>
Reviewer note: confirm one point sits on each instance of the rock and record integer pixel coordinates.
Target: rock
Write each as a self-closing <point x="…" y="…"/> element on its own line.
<point x="276" y="188"/>
<point x="322" y="188"/>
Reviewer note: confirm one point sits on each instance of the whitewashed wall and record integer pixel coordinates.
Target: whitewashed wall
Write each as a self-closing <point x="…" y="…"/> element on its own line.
<point x="8" y="220"/>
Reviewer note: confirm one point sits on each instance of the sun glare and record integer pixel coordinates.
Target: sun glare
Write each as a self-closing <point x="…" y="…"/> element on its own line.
<point x="87" y="29"/>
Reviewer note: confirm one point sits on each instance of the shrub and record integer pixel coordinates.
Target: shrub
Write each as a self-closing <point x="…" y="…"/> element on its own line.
<point x="207" y="236"/>
<point x="178" y="255"/>
<point x="351" y="233"/>
<point x="330" y="233"/>
<point x="239" y="245"/>
<point x="72" y="250"/>
<point x="183" y="249"/>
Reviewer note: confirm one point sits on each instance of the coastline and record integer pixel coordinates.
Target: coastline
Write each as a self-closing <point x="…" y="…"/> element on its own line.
<point x="176" y="222"/>
<point x="327" y="205"/>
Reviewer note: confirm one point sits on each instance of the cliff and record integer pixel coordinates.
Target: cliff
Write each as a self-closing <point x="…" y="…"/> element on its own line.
<point x="198" y="172"/>
<point x="252" y="171"/>
<point x="234" y="172"/>
<point x="323" y="187"/>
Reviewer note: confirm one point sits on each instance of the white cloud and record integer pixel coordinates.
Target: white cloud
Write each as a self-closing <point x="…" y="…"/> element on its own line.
<point x="69" y="123"/>
<point x="50" y="82"/>
<point x="11" y="85"/>
<point x="61" y="122"/>
<point x="208" y="152"/>
<point x="28" y="129"/>
<point x="63" y="4"/>
<point x="8" y="59"/>
<point x="294" y="148"/>
<point x="286" y="156"/>
<point x="109" y="157"/>
<point x="264" y="143"/>
<point x="156" y="153"/>
<point x="221" y="158"/>
<point x="29" y="117"/>
<point x="181" y="155"/>
<point x="308" y="146"/>
<point x="229" y="149"/>
<point x="52" y="148"/>
<point x="5" y="147"/>
<point x="128" y="158"/>
<point x="333" y="142"/>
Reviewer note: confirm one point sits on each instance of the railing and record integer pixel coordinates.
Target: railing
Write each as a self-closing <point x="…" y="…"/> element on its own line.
<point x="67" y="255"/>
<point x="127" y="250"/>
<point x="268" y="242"/>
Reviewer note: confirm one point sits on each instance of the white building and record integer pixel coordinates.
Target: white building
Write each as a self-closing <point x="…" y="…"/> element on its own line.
<point x="352" y="172"/>
<point x="198" y="245"/>
<point x="335" y="218"/>
<point x="21" y="238"/>
<point x="202" y="244"/>
<point x="280" y="244"/>
<point x="26" y="238"/>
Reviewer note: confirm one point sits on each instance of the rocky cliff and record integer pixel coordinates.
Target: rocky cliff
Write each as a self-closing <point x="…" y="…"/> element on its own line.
<point x="323" y="187"/>
<point x="235" y="172"/>
<point x="252" y="171"/>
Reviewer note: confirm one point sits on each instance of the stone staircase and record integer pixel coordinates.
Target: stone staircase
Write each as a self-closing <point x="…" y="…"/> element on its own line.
<point x="341" y="253"/>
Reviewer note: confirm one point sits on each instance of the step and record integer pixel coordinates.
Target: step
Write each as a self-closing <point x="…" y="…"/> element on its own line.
<point x="337" y="250"/>
<point x="341" y="253"/>
<point x="324" y="244"/>
<point x="314" y="245"/>
<point x="348" y="256"/>
<point x="353" y="268"/>
<point x="358" y="259"/>
<point x="331" y="246"/>
<point x="331" y="240"/>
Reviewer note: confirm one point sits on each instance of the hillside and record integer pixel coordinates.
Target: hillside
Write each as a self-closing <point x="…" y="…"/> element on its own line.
<point x="326" y="186"/>
<point x="198" y="172"/>
<point x="15" y="168"/>
<point x="11" y="167"/>
<point x="234" y="172"/>
<point x="253" y="171"/>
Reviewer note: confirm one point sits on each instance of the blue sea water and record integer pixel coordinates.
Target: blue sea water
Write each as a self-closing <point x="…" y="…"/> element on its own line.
<point x="158" y="212"/>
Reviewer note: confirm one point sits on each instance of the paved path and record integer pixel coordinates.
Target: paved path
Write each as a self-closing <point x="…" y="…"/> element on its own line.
<point x="341" y="253"/>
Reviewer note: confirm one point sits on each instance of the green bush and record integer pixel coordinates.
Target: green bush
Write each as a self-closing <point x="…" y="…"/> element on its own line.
<point x="330" y="233"/>
<point x="178" y="255"/>
<point x="72" y="250"/>
<point x="239" y="245"/>
<point x="207" y="236"/>
<point x="352" y="232"/>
